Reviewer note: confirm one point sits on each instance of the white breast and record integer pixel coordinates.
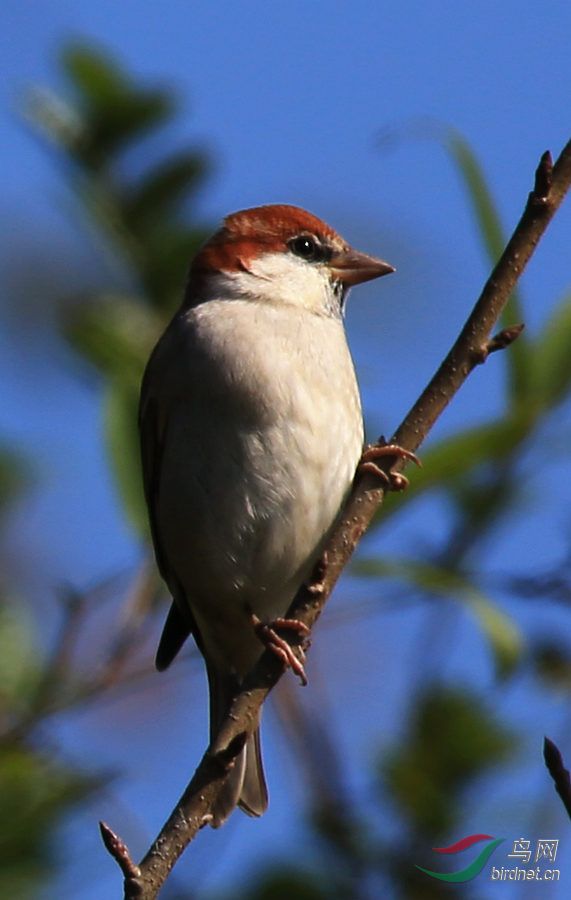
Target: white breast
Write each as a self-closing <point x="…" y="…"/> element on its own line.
<point x="263" y="436"/>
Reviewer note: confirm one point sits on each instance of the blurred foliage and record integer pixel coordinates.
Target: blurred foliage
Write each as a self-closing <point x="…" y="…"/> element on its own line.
<point x="36" y="789"/>
<point x="35" y="792"/>
<point x="144" y="218"/>
<point x="451" y="743"/>
<point x="504" y="636"/>
<point x="479" y="469"/>
<point x="452" y="740"/>
<point x="12" y="477"/>
<point x="552" y="662"/>
<point x="140" y="218"/>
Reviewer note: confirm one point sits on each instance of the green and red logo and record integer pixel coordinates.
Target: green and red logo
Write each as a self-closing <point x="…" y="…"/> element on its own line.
<point x="475" y="866"/>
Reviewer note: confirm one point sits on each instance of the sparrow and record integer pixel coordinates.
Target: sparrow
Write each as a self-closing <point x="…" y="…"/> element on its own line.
<point x="251" y="434"/>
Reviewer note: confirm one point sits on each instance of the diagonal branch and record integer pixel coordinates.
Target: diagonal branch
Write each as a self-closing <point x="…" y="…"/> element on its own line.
<point x="472" y="347"/>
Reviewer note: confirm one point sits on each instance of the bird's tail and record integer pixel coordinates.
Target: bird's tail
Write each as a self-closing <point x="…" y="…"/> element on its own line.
<point x="245" y="786"/>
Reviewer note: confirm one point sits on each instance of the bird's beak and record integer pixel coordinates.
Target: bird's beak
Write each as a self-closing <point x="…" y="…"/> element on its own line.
<point x="351" y="267"/>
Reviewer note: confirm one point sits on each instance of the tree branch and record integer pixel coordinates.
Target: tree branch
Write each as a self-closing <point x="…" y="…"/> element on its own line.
<point x="472" y="347"/>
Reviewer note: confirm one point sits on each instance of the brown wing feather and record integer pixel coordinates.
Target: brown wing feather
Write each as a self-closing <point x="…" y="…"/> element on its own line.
<point x="179" y="623"/>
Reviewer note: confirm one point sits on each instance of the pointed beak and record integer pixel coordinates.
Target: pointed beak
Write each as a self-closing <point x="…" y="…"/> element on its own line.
<point x="351" y="267"/>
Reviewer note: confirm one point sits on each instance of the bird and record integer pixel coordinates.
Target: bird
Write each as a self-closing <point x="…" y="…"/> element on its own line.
<point x="251" y="433"/>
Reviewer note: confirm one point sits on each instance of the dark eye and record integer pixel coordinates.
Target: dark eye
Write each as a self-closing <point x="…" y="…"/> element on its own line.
<point x="307" y="247"/>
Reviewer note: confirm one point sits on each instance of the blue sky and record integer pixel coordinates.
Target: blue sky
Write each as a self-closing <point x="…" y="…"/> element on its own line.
<point x="291" y="101"/>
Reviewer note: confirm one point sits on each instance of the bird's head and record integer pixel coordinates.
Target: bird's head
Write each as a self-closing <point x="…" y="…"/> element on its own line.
<point x="280" y="254"/>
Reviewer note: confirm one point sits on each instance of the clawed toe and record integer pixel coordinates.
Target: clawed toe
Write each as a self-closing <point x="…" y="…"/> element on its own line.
<point x="267" y="633"/>
<point x="395" y="481"/>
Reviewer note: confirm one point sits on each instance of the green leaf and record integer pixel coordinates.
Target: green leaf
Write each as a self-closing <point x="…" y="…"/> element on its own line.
<point x="19" y="660"/>
<point x="113" y="128"/>
<point x="551" y="358"/>
<point x="122" y="436"/>
<point x="13" y="476"/>
<point x="54" y="118"/>
<point x="281" y="883"/>
<point x="451" y="740"/>
<point x="551" y="660"/>
<point x="483" y="204"/>
<point x="447" y="462"/>
<point x="139" y="219"/>
<point x="165" y="264"/>
<point x="503" y="635"/>
<point x="461" y="453"/>
<point x="95" y="75"/>
<point x="163" y="189"/>
<point x="112" y="110"/>
<point x="490" y="228"/>
<point x="36" y="794"/>
<point x="494" y="241"/>
<point x="116" y="333"/>
<point x="158" y="255"/>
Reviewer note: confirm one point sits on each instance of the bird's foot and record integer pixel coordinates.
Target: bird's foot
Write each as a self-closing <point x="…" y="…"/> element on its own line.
<point x="394" y="481"/>
<point x="267" y="632"/>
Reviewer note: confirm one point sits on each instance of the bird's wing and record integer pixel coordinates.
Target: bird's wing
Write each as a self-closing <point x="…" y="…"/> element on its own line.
<point x="179" y="623"/>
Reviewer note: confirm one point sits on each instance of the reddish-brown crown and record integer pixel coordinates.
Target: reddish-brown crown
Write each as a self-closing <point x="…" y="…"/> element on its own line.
<point x="246" y="234"/>
<point x="279" y="222"/>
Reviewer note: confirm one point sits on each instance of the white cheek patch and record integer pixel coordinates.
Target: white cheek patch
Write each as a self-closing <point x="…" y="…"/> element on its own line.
<point x="283" y="278"/>
<point x="279" y="278"/>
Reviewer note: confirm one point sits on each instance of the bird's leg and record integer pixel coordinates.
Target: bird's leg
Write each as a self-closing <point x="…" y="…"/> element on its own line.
<point x="395" y="481"/>
<point x="268" y="634"/>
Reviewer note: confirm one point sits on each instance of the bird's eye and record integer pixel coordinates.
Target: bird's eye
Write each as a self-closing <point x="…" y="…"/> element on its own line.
<point x="308" y="248"/>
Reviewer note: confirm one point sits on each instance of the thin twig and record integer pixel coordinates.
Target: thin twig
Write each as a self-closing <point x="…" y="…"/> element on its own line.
<point x="471" y="348"/>
<point x="557" y="770"/>
<point x="119" y="852"/>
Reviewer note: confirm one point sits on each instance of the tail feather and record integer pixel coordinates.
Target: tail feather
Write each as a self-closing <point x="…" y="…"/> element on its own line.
<point x="175" y="632"/>
<point x="254" y="794"/>
<point x="245" y="785"/>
